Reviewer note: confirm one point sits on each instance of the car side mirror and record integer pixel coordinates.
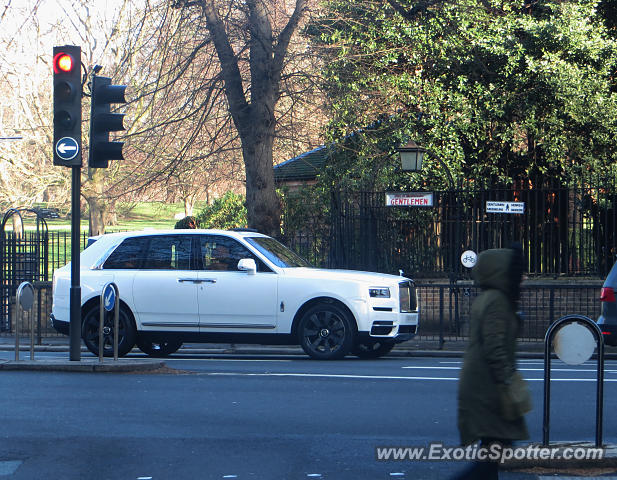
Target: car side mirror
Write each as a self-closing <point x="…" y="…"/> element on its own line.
<point x="247" y="265"/>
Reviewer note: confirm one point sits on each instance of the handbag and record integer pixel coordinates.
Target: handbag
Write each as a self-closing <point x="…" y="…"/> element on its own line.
<point x="515" y="398"/>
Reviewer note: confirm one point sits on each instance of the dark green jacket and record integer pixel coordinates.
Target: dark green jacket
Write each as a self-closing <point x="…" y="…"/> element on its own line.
<point x="490" y="356"/>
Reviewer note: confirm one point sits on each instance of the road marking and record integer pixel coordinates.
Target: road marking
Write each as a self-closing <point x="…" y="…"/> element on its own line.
<point x="313" y="474"/>
<point x="397" y="474"/>
<point x="224" y="360"/>
<point x="519" y="369"/>
<point x="376" y="377"/>
<point x="8" y="467"/>
<point x="230" y="476"/>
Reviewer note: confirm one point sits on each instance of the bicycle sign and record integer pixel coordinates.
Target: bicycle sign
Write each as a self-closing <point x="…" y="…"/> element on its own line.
<point x="469" y="258"/>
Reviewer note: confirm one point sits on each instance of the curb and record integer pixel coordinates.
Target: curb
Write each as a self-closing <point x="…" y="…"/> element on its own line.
<point x="86" y="365"/>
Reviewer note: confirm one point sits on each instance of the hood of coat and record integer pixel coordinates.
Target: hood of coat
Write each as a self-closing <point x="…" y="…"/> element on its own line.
<point x="497" y="268"/>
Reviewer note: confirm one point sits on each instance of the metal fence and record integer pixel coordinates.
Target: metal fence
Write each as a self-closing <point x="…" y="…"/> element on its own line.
<point x="445" y="310"/>
<point x="563" y="231"/>
<point x="29" y="256"/>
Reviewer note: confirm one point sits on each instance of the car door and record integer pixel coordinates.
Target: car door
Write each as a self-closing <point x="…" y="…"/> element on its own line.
<point x="229" y="299"/>
<point x="165" y="287"/>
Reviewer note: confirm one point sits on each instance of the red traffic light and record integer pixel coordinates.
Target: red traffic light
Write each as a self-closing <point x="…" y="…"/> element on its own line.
<point x="63" y="62"/>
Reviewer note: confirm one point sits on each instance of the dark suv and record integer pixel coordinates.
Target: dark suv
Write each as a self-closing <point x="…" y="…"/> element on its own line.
<point x="608" y="314"/>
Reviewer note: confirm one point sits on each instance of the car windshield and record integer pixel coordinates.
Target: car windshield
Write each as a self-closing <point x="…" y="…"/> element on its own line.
<point x="277" y="253"/>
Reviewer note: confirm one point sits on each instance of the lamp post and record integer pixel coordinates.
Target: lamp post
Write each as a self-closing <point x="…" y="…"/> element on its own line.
<point x="412" y="157"/>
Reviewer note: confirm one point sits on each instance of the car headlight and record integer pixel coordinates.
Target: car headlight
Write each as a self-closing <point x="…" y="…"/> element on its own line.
<point x="379" y="292"/>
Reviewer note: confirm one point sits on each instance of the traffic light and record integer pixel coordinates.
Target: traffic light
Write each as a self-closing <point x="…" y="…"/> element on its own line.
<point x="67" y="106"/>
<point x="102" y="122"/>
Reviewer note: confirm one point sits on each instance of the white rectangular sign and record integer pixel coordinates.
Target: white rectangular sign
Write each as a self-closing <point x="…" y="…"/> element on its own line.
<point x="414" y="199"/>
<point x="505" y="207"/>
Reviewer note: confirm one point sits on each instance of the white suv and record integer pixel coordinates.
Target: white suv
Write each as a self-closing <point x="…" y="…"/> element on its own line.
<point x="232" y="287"/>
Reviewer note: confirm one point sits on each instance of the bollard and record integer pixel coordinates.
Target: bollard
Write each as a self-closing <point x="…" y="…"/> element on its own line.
<point x="550" y="333"/>
<point x="109" y="301"/>
<point x="24" y="299"/>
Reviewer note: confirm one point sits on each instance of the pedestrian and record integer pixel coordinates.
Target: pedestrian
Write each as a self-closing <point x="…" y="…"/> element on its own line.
<point x="488" y="411"/>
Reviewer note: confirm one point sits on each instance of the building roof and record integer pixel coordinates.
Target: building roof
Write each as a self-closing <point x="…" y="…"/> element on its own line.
<point x="304" y="167"/>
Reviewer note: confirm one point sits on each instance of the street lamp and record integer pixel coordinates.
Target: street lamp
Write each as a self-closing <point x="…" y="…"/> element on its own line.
<point x="411" y="156"/>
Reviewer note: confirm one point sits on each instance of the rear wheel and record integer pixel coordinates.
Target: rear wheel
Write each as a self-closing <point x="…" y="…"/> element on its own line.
<point x="126" y="331"/>
<point x="370" y="349"/>
<point x="326" y="331"/>
<point x="158" y="348"/>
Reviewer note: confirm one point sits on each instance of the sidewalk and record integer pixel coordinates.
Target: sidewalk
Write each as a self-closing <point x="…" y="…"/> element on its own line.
<point x="417" y="347"/>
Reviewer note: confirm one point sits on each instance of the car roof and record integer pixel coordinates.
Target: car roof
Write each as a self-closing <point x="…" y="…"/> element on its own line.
<point x="238" y="233"/>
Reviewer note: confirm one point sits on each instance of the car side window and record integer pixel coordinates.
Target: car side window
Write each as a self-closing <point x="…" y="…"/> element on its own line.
<point x="129" y="254"/>
<point x="168" y="252"/>
<point x="223" y="253"/>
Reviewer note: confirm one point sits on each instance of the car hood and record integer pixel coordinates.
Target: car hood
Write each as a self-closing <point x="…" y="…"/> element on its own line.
<point x="372" y="278"/>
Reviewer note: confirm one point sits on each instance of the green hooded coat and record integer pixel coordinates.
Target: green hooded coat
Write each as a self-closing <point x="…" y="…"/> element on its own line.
<point x="489" y="359"/>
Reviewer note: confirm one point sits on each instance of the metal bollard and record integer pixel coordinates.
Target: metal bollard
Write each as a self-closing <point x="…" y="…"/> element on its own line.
<point x="24" y="299"/>
<point x="109" y="301"/>
<point x="599" y="339"/>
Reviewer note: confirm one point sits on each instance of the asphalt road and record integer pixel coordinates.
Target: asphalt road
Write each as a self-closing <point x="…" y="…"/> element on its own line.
<point x="261" y="418"/>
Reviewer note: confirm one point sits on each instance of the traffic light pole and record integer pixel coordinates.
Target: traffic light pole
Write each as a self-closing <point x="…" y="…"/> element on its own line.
<point x="75" y="292"/>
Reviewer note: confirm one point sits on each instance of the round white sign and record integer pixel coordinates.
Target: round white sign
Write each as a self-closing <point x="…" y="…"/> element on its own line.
<point x="469" y="258"/>
<point x="574" y="343"/>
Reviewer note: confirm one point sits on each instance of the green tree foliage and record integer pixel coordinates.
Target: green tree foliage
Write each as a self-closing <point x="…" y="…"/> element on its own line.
<point x="500" y="90"/>
<point x="226" y="212"/>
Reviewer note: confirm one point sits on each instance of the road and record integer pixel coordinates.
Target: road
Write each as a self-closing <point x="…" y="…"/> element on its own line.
<point x="261" y="418"/>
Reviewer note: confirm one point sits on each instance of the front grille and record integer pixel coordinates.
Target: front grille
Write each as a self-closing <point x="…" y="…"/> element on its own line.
<point x="407" y="297"/>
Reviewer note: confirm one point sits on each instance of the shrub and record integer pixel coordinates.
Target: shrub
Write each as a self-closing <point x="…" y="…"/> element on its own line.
<point x="226" y="212"/>
<point x="187" y="222"/>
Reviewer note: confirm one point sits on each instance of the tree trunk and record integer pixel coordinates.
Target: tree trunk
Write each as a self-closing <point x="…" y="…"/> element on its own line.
<point x="262" y="203"/>
<point x="98" y="211"/>
<point x="97" y="203"/>
<point x="189" y="204"/>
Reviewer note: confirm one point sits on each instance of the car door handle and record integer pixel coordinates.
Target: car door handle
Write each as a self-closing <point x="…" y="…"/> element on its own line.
<point x="197" y="280"/>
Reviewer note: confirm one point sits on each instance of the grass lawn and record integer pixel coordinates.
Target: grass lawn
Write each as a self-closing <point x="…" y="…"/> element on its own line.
<point x="135" y="216"/>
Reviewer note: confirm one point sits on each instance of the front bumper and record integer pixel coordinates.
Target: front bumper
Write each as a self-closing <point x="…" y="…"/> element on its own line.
<point x="59" y="325"/>
<point x="398" y="327"/>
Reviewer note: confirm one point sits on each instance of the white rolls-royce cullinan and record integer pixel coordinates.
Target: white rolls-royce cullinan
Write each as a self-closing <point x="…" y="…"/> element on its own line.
<point x="239" y="286"/>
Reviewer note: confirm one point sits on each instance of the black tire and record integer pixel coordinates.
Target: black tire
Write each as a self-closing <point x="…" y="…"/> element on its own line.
<point x="158" y="349"/>
<point x="126" y="331"/>
<point x="326" y="332"/>
<point x="371" y="349"/>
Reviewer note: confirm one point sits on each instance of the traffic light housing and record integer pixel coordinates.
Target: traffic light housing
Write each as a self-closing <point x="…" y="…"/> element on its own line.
<point x="67" y="105"/>
<point x="102" y="121"/>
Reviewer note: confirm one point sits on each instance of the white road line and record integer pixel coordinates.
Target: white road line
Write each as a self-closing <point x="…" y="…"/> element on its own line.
<point x="520" y="369"/>
<point x="224" y="360"/>
<point x="377" y="377"/>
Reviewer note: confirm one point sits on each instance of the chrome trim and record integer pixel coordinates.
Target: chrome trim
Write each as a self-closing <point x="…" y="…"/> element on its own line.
<point x="237" y="325"/>
<point x="161" y="324"/>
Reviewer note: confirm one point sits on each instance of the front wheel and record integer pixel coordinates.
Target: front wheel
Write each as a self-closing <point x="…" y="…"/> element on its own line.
<point x="370" y="350"/>
<point x="326" y="332"/>
<point x="126" y="331"/>
<point x="158" y="349"/>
